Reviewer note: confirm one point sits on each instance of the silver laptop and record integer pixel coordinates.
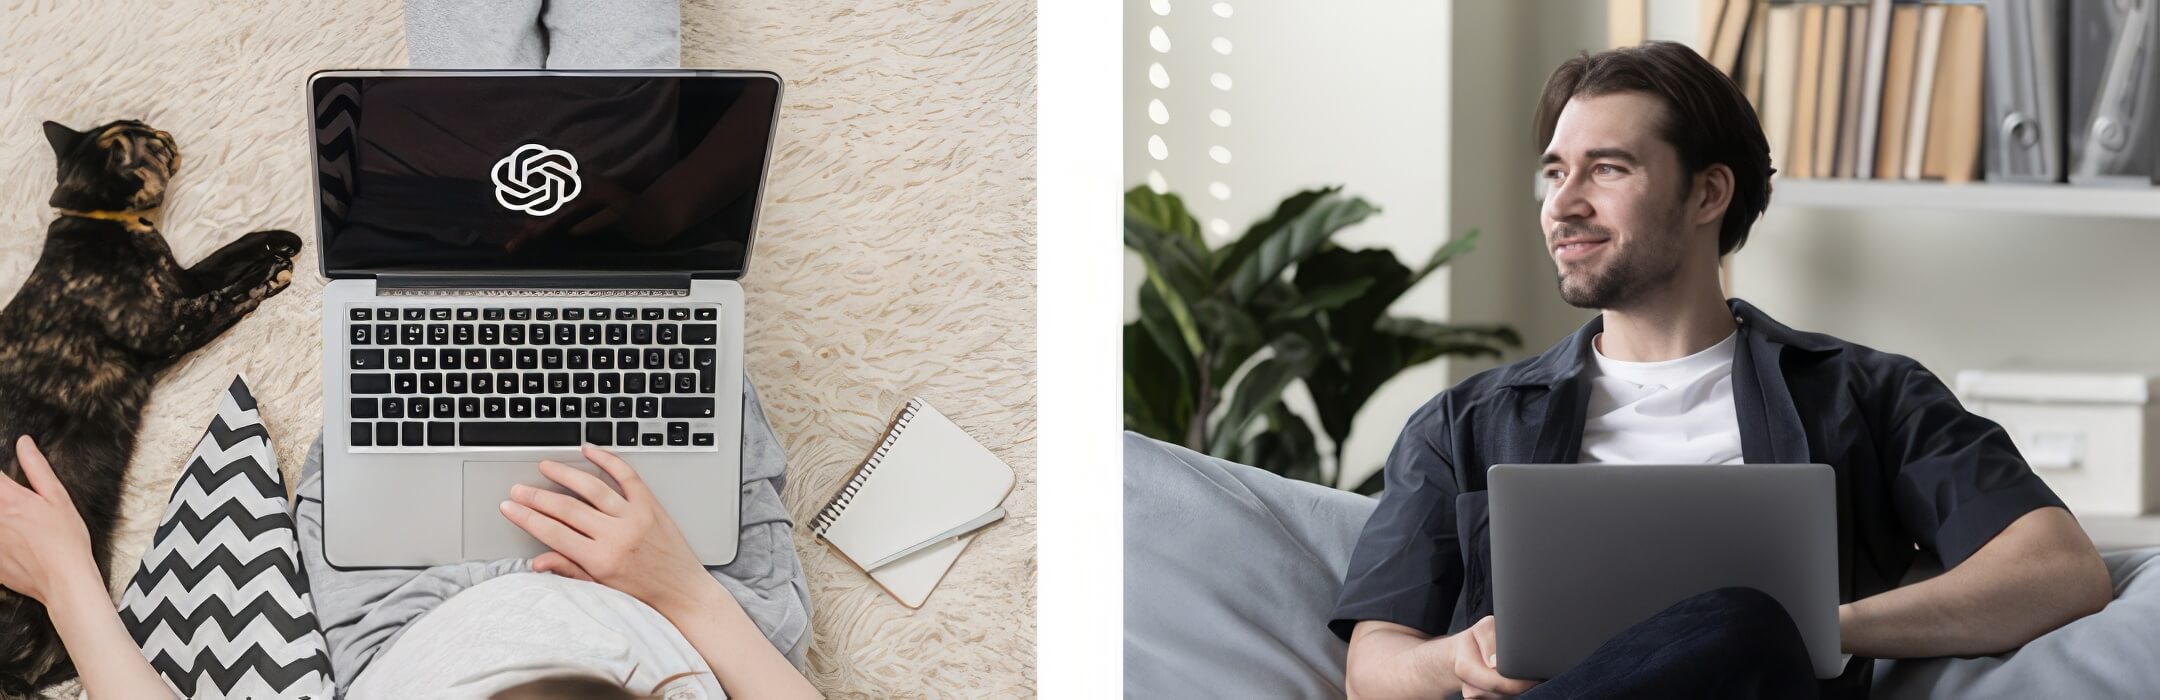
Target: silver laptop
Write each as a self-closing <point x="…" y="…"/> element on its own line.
<point x="1581" y="552"/>
<point x="521" y="261"/>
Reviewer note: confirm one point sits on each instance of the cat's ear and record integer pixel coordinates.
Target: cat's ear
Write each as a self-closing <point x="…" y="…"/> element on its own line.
<point x="63" y="139"/>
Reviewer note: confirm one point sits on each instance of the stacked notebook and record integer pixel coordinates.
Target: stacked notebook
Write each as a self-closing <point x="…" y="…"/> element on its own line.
<point x="925" y="479"/>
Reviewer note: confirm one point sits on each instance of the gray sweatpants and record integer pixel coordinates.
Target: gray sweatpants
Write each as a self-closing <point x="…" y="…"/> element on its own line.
<point x="543" y="33"/>
<point x="362" y="612"/>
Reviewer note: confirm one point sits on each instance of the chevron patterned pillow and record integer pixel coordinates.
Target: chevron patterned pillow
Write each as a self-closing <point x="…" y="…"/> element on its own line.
<point x="219" y="604"/>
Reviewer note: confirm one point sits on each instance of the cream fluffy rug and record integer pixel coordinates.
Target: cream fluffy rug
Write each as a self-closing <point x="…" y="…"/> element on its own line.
<point x="896" y="256"/>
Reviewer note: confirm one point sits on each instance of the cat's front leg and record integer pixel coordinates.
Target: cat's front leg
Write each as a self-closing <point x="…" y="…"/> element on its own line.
<point x="247" y="261"/>
<point x="259" y="267"/>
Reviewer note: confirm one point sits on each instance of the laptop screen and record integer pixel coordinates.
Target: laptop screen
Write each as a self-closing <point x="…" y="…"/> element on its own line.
<point x="639" y="171"/>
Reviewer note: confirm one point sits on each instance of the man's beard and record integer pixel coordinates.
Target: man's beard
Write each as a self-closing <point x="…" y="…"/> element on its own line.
<point x="1627" y="274"/>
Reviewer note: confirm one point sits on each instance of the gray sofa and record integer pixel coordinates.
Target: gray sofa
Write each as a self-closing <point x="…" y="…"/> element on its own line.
<point x="1231" y="573"/>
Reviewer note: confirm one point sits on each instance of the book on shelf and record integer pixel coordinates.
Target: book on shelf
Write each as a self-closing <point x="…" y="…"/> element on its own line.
<point x="1855" y="79"/>
<point x="1781" y="65"/>
<point x="1899" y="64"/>
<point x="1938" y="90"/>
<point x="1731" y="34"/>
<point x="1871" y="89"/>
<point x="1753" y="49"/>
<point x="1953" y="148"/>
<point x="1805" y="90"/>
<point x="1916" y="135"/>
<point x="1829" y="102"/>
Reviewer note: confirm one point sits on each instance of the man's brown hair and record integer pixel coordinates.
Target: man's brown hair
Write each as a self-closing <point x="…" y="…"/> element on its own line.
<point x="577" y="686"/>
<point x="1707" y="119"/>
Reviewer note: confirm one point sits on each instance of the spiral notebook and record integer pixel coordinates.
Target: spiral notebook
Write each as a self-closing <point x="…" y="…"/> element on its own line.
<point x="925" y="477"/>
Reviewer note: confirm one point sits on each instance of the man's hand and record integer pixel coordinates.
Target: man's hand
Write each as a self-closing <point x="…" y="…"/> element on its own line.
<point x="44" y="546"/>
<point x="1388" y="660"/>
<point x="1476" y="660"/>
<point x="45" y="554"/>
<point x="623" y="541"/>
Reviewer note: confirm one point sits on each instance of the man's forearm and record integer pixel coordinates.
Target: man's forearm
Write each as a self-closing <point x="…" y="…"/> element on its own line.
<point x="744" y="660"/>
<point x="2038" y="574"/>
<point x="1387" y="663"/>
<point x="106" y="658"/>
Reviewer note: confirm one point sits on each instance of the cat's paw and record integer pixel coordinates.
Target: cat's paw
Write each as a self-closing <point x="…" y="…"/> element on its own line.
<point x="280" y="277"/>
<point x="283" y="244"/>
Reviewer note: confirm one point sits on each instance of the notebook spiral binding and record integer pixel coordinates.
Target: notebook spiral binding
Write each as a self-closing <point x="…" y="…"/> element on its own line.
<point x="839" y="503"/>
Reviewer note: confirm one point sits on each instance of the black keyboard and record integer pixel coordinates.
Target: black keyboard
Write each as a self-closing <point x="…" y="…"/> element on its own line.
<point x="459" y="375"/>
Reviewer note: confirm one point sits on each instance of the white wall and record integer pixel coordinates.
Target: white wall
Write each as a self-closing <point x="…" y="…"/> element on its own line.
<point x="1959" y="290"/>
<point x="1354" y="94"/>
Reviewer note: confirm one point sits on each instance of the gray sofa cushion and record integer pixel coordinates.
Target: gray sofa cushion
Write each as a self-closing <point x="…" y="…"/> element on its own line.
<point x="1231" y="575"/>
<point x="2112" y="654"/>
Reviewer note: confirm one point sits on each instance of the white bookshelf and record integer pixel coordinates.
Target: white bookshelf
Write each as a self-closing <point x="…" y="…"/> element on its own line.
<point x="2007" y="198"/>
<point x="2113" y="532"/>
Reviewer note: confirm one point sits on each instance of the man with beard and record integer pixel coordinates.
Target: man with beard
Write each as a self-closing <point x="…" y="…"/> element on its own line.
<point x="1655" y="167"/>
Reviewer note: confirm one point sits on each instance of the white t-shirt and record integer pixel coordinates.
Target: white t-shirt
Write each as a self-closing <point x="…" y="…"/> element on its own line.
<point x="516" y="628"/>
<point x="1671" y="412"/>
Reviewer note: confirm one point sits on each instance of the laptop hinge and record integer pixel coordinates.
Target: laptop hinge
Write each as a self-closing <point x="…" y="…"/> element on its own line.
<point x="529" y="284"/>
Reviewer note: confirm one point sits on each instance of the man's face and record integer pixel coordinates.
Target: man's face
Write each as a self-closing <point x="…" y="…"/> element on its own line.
<point x="1616" y="201"/>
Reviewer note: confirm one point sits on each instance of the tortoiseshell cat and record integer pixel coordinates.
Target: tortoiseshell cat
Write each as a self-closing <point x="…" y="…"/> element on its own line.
<point x="103" y="313"/>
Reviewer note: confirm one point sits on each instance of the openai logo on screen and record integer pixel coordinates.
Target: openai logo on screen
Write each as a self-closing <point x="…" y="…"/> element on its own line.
<point x="536" y="179"/>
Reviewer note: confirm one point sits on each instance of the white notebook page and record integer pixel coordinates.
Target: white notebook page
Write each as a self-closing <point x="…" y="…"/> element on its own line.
<point x="932" y="479"/>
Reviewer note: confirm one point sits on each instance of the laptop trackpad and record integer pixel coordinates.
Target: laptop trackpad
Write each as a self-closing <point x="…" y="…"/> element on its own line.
<point x="489" y="535"/>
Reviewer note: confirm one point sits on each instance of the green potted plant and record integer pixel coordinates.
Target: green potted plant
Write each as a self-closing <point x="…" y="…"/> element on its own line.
<point x="1222" y="331"/>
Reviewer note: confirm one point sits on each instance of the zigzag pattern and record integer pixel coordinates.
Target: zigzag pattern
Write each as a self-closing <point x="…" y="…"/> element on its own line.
<point x="199" y="497"/>
<point x="234" y="512"/>
<point x="226" y="437"/>
<point x="227" y="536"/>
<point x="289" y="626"/>
<point x="207" y="479"/>
<point x="227" y="677"/>
<point x="165" y="640"/>
<point x="219" y="604"/>
<point x="215" y="586"/>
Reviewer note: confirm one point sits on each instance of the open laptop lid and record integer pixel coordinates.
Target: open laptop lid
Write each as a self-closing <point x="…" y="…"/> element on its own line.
<point x="540" y="173"/>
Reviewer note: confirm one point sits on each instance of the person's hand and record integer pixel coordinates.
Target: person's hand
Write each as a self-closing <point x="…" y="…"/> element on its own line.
<point x="624" y="541"/>
<point x="44" y="546"/>
<point x="1476" y="662"/>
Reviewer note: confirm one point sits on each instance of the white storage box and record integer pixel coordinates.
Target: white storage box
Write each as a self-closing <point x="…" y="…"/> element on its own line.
<point x="2093" y="436"/>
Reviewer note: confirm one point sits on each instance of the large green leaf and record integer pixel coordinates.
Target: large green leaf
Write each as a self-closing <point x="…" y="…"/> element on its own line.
<point x="1260" y="389"/>
<point x="1180" y="262"/>
<point x="1384" y="277"/>
<point x="1457" y="246"/>
<point x="1233" y="336"/>
<point x="1230" y="257"/>
<point x="1287" y="447"/>
<point x="1300" y="236"/>
<point x="1166" y="333"/>
<point x="1450" y="334"/>
<point x="1340" y="389"/>
<point x="1177" y="269"/>
<point x="1159" y="393"/>
<point x="1325" y="298"/>
<point x="1164" y="211"/>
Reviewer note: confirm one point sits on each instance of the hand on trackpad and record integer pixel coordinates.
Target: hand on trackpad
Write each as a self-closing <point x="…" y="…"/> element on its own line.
<point x="488" y="535"/>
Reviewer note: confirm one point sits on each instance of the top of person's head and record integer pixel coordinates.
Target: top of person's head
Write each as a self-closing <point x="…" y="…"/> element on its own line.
<point x="572" y="685"/>
<point x="1707" y="119"/>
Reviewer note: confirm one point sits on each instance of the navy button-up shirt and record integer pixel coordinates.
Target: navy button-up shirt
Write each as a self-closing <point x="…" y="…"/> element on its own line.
<point x="1914" y="469"/>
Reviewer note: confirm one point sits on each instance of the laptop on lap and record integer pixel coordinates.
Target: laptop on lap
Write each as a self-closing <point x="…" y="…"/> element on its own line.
<point x="521" y="261"/>
<point x="1580" y="552"/>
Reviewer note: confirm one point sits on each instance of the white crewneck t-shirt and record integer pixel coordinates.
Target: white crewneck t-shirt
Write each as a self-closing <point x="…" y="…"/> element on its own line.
<point x="520" y="627"/>
<point x="1671" y="412"/>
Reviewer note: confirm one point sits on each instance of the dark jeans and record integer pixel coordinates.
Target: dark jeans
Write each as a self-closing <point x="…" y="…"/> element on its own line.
<point x="1727" y="643"/>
